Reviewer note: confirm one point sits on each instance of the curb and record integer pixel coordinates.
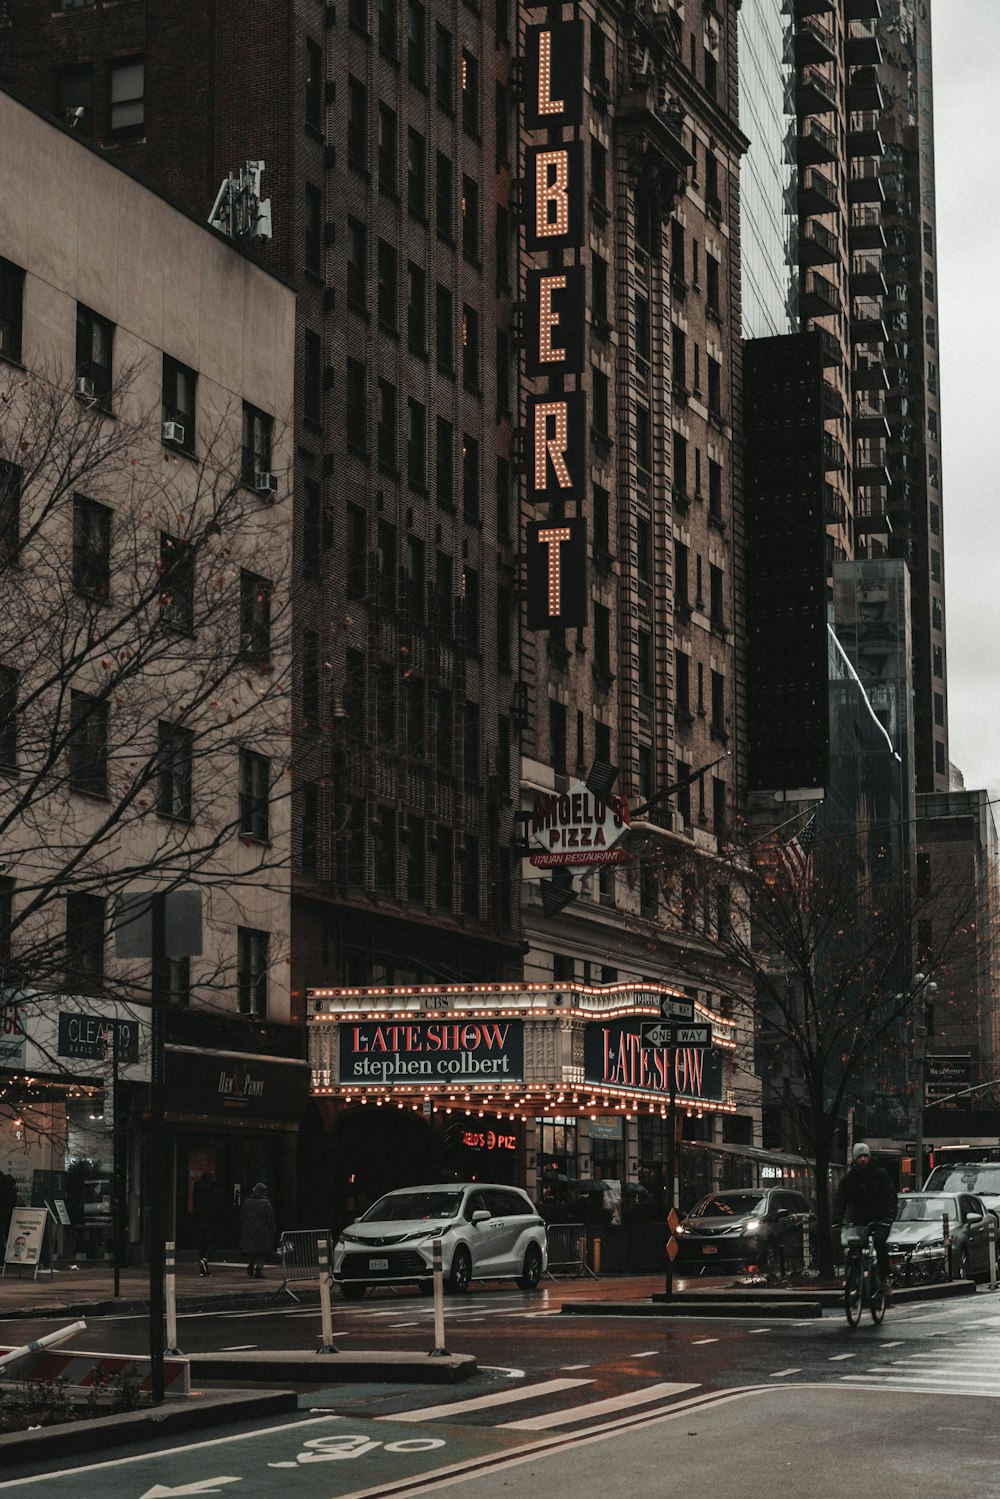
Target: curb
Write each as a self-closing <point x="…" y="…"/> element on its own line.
<point x="268" y="1367"/>
<point x="193" y="1413"/>
<point x="133" y="1305"/>
<point x="678" y="1306"/>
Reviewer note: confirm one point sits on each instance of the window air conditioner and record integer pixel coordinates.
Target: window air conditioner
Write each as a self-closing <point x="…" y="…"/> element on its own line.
<point x="173" y="432"/>
<point x="265" y="483"/>
<point x="85" y="388"/>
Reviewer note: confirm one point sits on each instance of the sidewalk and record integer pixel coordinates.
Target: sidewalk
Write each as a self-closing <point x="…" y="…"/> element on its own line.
<point x="90" y="1288"/>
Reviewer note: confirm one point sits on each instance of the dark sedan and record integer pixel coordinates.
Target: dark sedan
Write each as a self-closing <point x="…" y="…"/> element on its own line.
<point x="916" y="1239"/>
<point x="755" y="1229"/>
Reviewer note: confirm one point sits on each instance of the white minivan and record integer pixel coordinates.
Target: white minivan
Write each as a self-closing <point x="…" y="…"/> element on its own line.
<point x="486" y="1233"/>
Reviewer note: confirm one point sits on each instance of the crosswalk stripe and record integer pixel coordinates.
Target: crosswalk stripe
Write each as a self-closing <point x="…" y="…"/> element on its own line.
<point x="597" y="1408"/>
<point x="932" y="1377"/>
<point x="921" y="1387"/>
<point x="783" y="1373"/>
<point x="484" y="1402"/>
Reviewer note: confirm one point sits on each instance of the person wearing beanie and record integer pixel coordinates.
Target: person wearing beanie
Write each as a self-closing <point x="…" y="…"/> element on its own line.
<point x="258" y="1230"/>
<point x="867" y="1195"/>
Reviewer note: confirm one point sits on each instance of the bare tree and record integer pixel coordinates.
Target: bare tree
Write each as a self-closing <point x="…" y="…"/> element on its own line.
<point x="144" y="694"/>
<point x="816" y="937"/>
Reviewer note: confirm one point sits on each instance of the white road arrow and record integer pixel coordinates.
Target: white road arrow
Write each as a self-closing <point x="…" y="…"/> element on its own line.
<point x="203" y="1486"/>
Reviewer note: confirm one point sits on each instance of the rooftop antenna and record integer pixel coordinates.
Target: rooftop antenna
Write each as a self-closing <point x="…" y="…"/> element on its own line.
<point x="238" y="211"/>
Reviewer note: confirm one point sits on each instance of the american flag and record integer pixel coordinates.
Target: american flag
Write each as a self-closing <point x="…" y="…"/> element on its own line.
<point x="796" y="852"/>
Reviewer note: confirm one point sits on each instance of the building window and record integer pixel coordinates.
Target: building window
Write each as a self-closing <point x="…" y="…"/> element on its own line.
<point x="557" y="737"/>
<point x="643" y="438"/>
<point x="443" y="600"/>
<point x="310" y="679"/>
<point x="937" y="659"/>
<point x="416" y="174"/>
<point x="602" y="640"/>
<point x="937" y="614"/>
<point x="939" y="709"/>
<point x="88" y="744"/>
<point x="682" y="568"/>
<point x="257" y="427"/>
<point x="680" y="488"/>
<point x="357" y="254"/>
<point x="601" y="401"/>
<point x="174" y="771"/>
<point x="313" y="230"/>
<point x="416" y="44"/>
<point x="312" y="377"/>
<point x="504" y="654"/>
<point x="471" y="504"/>
<point x="416" y="861"/>
<point x="470" y="349"/>
<point x="413" y="568"/>
<point x="387" y="314"/>
<point x="444" y="329"/>
<point x="251" y="971"/>
<point x="75" y="99"/>
<point x="385" y="706"/>
<point x="445" y="464"/>
<point x="678" y="358"/>
<point x="470" y="220"/>
<point x="716" y="609"/>
<point x="443" y="71"/>
<point x="714" y="387"/>
<point x="354" y="692"/>
<point x="385" y="550"/>
<point x="712" y="285"/>
<point x="644" y="663"/>
<point x="470" y="877"/>
<point x="939" y="757"/>
<point x="8" y="716"/>
<point x="501" y="114"/>
<point x="255" y="771"/>
<point x="470" y="607"/>
<point x="503" y="248"/>
<point x="386" y="425"/>
<point x="84" y="942"/>
<point x="10" y="512"/>
<point x="11" y="309"/>
<point x="387" y="150"/>
<point x="416" y="309"/>
<point x="357" y="125"/>
<point x="177" y="583"/>
<point x="682" y="684"/>
<point x="387" y="27"/>
<point x="714" y="491"/>
<point x="416" y="444"/>
<point x="94" y="342"/>
<point x="91" y="548"/>
<point x="642" y="328"/>
<point x="126" y="95"/>
<point x="356" y="408"/>
<point x="356" y="549"/>
<point x="314" y="85"/>
<point x="598" y="172"/>
<point x="255" y="617"/>
<point x="416" y="707"/>
<point x="602" y="520"/>
<point x="718" y="705"/>
<point x="470" y="743"/>
<point x="444" y="197"/>
<point x="444" y="886"/>
<point x="599" y="285"/>
<point x="644" y="549"/>
<point x="178" y="404"/>
<point x="503" y="499"/>
<point x="470" y="92"/>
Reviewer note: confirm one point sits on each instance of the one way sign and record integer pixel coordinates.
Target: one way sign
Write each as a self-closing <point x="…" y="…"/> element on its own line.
<point x="660" y="1033"/>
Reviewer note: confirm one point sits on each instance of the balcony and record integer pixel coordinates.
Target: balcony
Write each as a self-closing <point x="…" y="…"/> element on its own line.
<point x="815" y="7"/>
<point x="817" y="195"/>
<point x="815" y="95"/>
<point x="867" y="323"/>
<point x="834" y="509"/>
<point x="831" y="355"/>
<point x="862" y="10"/>
<point x="873" y="475"/>
<point x="834" y="461"/>
<point x="816" y="144"/>
<point x="864" y="137"/>
<point x="876" y="520"/>
<point x="863" y="46"/>
<point x="831" y="402"/>
<point x="867" y="277"/>
<point x="817" y="246"/>
<point x="819" y="297"/>
<point x="870" y="421"/>
<point x="813" y="42"/>
<point x="869" y="374"/>
<point x="865" y="231"/>
<point x="864" y="91"/>
<point x="865" y="183"/>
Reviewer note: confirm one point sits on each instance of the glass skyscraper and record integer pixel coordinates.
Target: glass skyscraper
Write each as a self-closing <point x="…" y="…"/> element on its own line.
<point x="769" y="233"/>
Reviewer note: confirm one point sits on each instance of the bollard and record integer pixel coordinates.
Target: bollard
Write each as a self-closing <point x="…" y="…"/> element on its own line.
<point x="170" y="1295"/>
<point x="806" y="1260"/>
<point x="326" y="1312"/>
<point x="946" y="1235"/>
<point x="597" y="1255"/>
<point x="439" y="1350"/>
<point x="991" y="1233"/>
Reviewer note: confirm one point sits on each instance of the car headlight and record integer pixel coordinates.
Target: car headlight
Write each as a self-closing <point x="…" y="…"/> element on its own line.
<point x="680" y="1229"/>
<point x="427" y="1233"/>
<point x="752" y="1224"/>
<point x="350" y="1239"/>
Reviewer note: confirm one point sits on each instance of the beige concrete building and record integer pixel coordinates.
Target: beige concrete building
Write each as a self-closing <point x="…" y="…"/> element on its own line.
<point x="146" y="378"/>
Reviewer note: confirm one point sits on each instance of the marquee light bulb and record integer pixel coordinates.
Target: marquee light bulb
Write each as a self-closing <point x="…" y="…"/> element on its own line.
<point x="552" y="193"/>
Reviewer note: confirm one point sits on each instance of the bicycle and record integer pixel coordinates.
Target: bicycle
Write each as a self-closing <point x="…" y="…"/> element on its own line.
<point x="862" y="1282"/>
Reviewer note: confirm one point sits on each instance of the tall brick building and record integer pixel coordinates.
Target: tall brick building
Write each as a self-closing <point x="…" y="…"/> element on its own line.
<point x="388" y="137"/>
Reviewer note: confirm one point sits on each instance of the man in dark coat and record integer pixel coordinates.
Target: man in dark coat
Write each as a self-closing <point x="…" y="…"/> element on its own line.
<point x="258" y="1230"/>
<point x="867" y="1195"/>
<point x="8" y="1202"/>
<point x="206" y="1209"/>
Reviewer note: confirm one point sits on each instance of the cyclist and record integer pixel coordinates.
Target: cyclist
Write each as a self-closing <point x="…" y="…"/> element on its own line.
<point x="867" y="1195"/>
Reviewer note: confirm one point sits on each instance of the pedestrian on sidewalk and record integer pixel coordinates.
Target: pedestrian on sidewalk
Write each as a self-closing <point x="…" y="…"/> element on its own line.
<point x="206" y="1206"/>
<point x="8" y="1202"/>
<point x="258" y="1230"/>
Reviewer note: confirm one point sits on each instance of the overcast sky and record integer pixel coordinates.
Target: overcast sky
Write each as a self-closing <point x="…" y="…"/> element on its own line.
<point x="966" y="36"/>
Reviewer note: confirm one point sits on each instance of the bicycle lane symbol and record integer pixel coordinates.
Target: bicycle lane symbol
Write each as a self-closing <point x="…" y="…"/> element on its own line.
<point x="349" y="1446"/>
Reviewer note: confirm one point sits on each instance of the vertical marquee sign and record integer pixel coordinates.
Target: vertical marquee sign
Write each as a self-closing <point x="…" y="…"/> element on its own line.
<point x="555" y="325"/>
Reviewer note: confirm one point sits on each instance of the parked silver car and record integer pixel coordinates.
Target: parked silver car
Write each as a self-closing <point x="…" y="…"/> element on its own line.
<point x="485" y="1232"/>
<point x="916" y="1239"/>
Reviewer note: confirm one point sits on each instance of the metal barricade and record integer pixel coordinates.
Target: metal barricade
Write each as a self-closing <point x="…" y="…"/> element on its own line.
<point x="298" y="1253"/>
<point x="568" y="1250"/>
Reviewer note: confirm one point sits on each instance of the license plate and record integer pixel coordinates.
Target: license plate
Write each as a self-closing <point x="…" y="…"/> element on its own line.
<point x="709" y="1249"/>
<point x="378" y="1264"/>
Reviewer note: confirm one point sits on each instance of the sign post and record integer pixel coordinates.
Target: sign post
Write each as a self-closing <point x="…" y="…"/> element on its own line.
<point x="26" y="1239"/>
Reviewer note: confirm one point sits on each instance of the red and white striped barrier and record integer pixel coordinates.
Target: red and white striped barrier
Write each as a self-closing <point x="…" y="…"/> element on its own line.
<point x="82" y="1370"/>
